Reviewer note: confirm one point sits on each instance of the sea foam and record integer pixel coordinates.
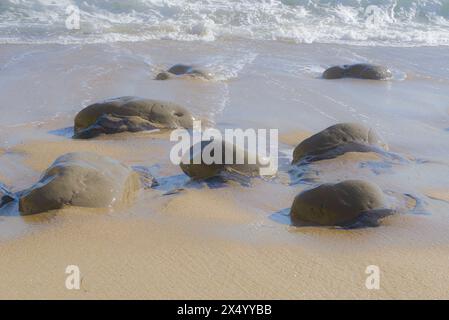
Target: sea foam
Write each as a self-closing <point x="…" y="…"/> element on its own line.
<point x="358" y="22"/>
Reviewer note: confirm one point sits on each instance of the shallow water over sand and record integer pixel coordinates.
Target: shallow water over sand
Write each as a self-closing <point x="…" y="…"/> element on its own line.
<point x="257" y="85"/>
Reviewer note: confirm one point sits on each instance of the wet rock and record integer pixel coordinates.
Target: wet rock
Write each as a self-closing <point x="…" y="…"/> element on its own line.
<point x="361" y="71"/>
<point x="337" y="204"/>
<point x="183" y="70"/>
<point x="5" y="195"/>
<point x="200" y="170"/>
<point x="196" y="166"/>
<point x="163" y="76"/>
<point x="130" y="114"/>
<point x="109" y="124"/>
<point x="336" y="140"/>
<point x="81" y="179"/>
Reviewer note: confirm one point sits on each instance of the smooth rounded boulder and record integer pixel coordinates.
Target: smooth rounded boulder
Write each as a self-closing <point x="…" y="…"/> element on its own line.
<point x="360" y="71"/>
<point x="336" y="140"/>
<point x="81" y="179"/>
<point x="336" y="204"/>
<point x="208" y="159"/>
<point x="130" y="114"/>
<point x="183" y="70"/>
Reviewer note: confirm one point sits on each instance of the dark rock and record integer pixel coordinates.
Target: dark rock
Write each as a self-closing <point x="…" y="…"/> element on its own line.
<point x="163" y="76"/>
<point x="361" y="71"/>
<point x="5" y="195"/>
<point x="203" y="170"/>
<point x="337" y="204"/>
<point x="183" y="70"/>
<point x="130" y="114"/>
<point x="179" y="69"/>
<point x="336" y="140"/>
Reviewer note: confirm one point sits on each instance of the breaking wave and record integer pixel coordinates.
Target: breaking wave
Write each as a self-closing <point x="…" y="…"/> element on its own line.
<point x="358" y="22"/>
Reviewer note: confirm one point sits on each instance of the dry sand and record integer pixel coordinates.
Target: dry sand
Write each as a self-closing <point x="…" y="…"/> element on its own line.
<point x="171" y="256"/>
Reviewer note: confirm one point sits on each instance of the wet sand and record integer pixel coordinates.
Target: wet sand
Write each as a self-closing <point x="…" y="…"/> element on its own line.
<point x="226" y="240"/>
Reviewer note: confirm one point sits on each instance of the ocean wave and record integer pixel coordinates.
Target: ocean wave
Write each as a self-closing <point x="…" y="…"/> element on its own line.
<point x="359" y="22"/>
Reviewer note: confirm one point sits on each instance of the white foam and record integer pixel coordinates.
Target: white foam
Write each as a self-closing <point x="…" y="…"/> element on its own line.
<point x="227" y="67"/>
<point x="391" y="22"/>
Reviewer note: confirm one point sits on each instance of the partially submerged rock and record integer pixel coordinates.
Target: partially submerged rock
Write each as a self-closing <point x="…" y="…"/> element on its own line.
<point x="336" y="140"/>
<point x="163" y="76"/>
<point x="195" y="165"/>
<point x="337" y="204"/>
<point x="360" y="70"/>
<point x="81" y="179"/>
<point x="183" y="70"/>
<point x="130" y="114"/>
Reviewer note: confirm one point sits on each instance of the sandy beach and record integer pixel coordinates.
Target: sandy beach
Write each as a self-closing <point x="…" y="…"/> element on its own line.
<point x="218" y="239"/>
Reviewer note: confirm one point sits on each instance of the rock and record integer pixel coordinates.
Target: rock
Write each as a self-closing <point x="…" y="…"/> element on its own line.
<point x="179" y="69"/>
<point x="183" y="70"/>
<point x="81" y="179"/>
<point x="336" y="204"/>
<point x="163" y="76"/>
<point x="130" y="114"/>
<point x="361" y="71"/>
<point x="336" y="140"/>
<point x="205" y="170"/>
<point x="5" y="195"/>
<point x="201" y="170"/>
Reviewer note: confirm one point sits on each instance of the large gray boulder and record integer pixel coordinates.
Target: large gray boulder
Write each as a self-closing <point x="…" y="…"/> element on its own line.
<point x="130" y="114"/>
<point x="336" y="204"/>
<point x="336" y="140"/>
<point x="360" y="71"/>
<point x="81" y="179"/>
